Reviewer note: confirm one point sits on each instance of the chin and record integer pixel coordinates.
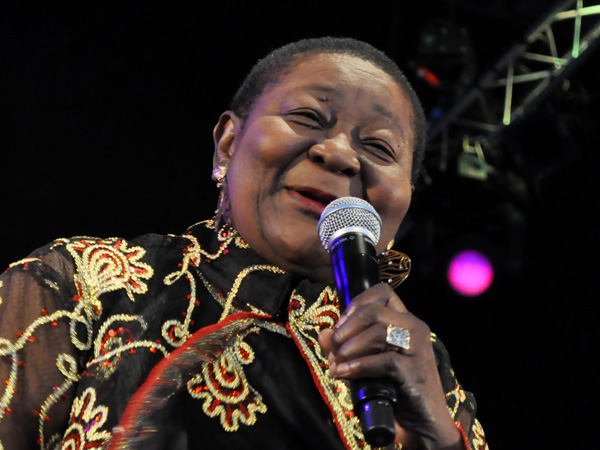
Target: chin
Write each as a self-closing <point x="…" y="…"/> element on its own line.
<point x="311" y="262"/>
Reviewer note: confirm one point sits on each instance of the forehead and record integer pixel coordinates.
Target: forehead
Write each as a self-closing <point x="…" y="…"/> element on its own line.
<point x="348" y="67"/>
<point x="346" y="79"/>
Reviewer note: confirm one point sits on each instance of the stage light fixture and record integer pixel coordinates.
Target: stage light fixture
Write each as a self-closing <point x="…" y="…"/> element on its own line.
<point x="470" y="273"/>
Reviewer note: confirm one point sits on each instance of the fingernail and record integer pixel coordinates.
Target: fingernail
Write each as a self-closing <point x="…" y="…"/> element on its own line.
<point x="332" y="369"/>
<point x="344" y="317"/>
<point x="342" y="370"/>
<point x="330" y="358"/>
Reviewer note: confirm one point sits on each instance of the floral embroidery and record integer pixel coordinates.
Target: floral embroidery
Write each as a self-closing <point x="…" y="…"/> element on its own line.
<point x="11" y="350"/>
<point x="304" y="326"/>
<point x="222" y="383"/>
<point x="68" y="367"/>
<point x="114" y="339"/>
<point x="454" y="398"/>
<point x="479" y="441"/>
<point x="108" y="265"/>
<point x="224" y="388"/>
<point x="86" y="421"/>
<point x="174" y="331"/>
<point x="104" y="266"/>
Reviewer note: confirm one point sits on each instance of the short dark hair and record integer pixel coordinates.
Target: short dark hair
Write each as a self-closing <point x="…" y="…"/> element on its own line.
<point x="275" y="64"/>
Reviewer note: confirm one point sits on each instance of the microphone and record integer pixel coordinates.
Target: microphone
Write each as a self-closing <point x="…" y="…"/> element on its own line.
<point x="349" y="229"/>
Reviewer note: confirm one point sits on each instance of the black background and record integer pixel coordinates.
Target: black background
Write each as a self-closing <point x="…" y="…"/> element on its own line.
<point x="105" y="129"/>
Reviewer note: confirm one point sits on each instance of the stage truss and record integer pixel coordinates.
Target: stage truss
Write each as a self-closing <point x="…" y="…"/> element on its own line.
<point x="471" y="130"/>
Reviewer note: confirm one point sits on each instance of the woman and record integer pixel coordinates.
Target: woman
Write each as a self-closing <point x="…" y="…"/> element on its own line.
<point x="230" y="335"/>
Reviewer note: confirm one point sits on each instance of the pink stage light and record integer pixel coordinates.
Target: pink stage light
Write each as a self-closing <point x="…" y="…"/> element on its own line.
<point x="470" y="273"/>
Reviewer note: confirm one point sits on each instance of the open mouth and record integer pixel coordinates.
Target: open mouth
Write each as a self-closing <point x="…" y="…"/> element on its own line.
<point x="315" y="199"/>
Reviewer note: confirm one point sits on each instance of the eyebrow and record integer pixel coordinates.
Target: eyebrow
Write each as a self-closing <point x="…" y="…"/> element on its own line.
<point x="328" y="90"/>
<point x="380" y="109"/>
<point x="384" y="111"/>
<point x="321" y="88"/>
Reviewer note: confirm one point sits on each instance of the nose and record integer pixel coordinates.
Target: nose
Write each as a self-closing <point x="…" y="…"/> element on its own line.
<point x="336" y="154"/>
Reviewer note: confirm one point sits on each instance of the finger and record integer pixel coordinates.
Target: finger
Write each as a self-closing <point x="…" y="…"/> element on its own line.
<point x="361" y="318"/>
<point x="402" y="436"/>
<point x="382" y="294"/>
<point x="368" y="341"/>
<point x="412" y="381"/>
<point x="408" y="371"/>
<point x="371" y="366"/>
<point x="372" y="319"/>
<point x="325" y="340"/>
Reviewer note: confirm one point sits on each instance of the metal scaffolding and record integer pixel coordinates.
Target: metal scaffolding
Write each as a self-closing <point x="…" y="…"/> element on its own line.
<point x="520" y="79"/>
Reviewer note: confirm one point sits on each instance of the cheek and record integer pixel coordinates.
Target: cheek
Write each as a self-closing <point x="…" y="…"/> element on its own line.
<point x="257" y="169"/>
<point x="269" y="144"/>
<point x="392" y="205"/>
<point x="251" y="167"/>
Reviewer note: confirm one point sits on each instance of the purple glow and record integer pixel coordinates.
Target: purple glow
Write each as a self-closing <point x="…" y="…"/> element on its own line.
<point x="470" y="273"/>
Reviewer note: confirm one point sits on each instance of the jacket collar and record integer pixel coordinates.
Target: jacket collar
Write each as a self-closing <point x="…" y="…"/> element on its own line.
<point x="229" y="263"/>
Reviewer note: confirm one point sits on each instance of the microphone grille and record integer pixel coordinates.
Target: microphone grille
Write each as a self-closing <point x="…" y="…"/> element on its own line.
<point x="347" y="212"/>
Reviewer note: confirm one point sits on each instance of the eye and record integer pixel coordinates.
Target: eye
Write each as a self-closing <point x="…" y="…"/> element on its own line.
<point x="380" y="148"/>
<point x="307" y="118"/>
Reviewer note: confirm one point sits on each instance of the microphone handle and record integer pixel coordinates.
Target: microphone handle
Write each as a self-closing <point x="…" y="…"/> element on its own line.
<point x="355" y="268"/>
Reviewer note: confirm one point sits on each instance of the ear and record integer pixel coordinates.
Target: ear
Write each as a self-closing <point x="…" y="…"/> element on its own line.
<point x="225" y="133"/>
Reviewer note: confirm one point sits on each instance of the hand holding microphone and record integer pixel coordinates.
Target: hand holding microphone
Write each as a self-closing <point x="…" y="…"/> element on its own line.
<point x="349" y="230"/>
<point x="385" y="351"/>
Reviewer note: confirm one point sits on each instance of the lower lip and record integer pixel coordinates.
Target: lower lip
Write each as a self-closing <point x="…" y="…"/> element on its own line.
<point x="308" y="203"/>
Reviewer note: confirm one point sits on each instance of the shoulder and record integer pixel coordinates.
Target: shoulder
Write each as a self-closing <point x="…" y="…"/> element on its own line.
<point x="100" y="260"/>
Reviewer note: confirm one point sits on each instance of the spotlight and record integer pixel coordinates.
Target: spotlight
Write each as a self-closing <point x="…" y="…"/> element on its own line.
<point x="470" y="273"/>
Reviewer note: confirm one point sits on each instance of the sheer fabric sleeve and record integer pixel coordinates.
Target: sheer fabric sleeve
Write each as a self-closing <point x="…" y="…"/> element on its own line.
<point x="38" y="362"/>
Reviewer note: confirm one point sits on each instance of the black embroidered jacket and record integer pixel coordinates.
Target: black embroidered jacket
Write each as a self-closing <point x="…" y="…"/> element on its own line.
<point x="174" y="342"/>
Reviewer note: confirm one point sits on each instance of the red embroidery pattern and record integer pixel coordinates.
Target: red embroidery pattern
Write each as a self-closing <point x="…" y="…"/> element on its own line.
<point x="304" y="326"/>
<point x="108" y="265"/>
<point x="85" y="423"/>
<point x="479" y="441"/>
<point x="224" y="388"/>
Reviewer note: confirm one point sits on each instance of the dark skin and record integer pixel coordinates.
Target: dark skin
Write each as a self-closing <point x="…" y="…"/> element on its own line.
<point x="356" y="349"/>
<point x="336" y="126"/>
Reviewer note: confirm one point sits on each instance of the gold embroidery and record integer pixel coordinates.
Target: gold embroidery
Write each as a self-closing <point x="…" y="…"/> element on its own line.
<point x="173" y="331"/>
<point x="226" y="235"/>
<point x="23" y="262"/>
<point x="214" y="292"/>
<point x="222" y="383"/>
<point x="108" y="265"/>
<point x="86" y="421"/>
<point x="223" y="386"/>
<point x="68" y="367"/>
<point x="479" y="438"/>
<point x="7" y="348"/>
<point x="176" y="332"/>
<point x="456" y="396"/>
<point x="305" y="325"/>
<point x="104" y="266"/>
<point x="112" y="341"/>
<point x="238" y="281"/>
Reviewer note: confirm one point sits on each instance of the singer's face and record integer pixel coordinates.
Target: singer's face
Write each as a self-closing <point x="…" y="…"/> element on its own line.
<point x="332" y="126"/>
